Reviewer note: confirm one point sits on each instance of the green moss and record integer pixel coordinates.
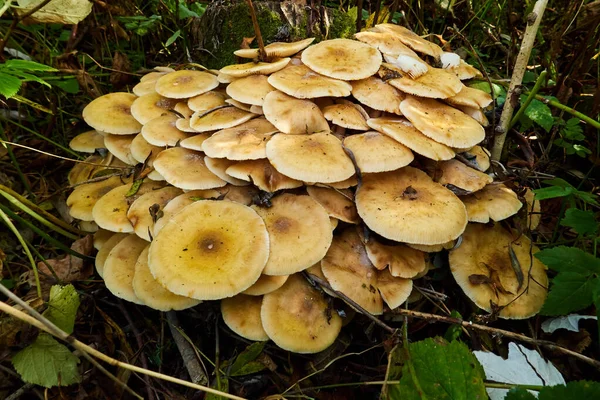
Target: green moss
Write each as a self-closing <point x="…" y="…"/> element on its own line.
<point x="342" y="25"/>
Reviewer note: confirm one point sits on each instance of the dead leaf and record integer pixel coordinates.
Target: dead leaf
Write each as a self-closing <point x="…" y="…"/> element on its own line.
<point x="2" y="258"/>
<point x="120" y="65"/>
<point x="246" y="42"/>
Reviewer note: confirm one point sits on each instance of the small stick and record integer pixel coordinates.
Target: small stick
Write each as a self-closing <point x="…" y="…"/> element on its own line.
<point x="187" y="352"/>
<point x="259" y="39"/>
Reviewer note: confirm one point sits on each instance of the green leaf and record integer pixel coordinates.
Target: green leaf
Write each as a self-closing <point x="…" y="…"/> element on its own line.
<point x="454" y="331"/>
<point x="518" y="393"/>
<point x="68" y="85"/>
<point x="583" y="222"/>
<point x="572" y="391"/>
<point x="9" y="85"/>
<point x="185" y="12"/>
<point x="25" y="65"/>
<point x="540" y="113"/>
<point x="26" y="77"/>
<point x="552" y="192"/>
<point x="222" y="384"/>
<point x="47" y="363"/>
<point x="250" y="368"/>
<point x="558" y="182"/>
<point x="569" y="259"/>
<point x="245" y="357"/>
<point x="569" y="292"/>
<point x="442" y="370"/>
<point x="173" y="38"/>
<point x="62" y="307"/>
<point x="352" y="13"/>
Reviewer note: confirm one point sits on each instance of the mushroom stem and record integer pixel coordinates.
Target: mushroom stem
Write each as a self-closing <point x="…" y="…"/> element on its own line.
<point x="533" y="23"/>
<point x="261" y="45"/>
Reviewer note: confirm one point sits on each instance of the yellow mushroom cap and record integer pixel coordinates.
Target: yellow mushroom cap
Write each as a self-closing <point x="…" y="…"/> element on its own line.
<point x="276" y="49"/>
<point x="238" y="104"/>
<point x="250" y="90"/>
<point x="149" y="106"/>
<point x="338" y="203"/>
<point x="151" y="293"/>
<point x="457" y="174"/>
<point x="139" y="215"/>
<point x="251" y="68"/>
<point x="206" y="101"/>
<point x="119" y="268"/>
<point x="479" y="157"/>
<point x="195" y="142"/>
<point x="347" y="115"/>
<point x="142" y="151"/>
<point x="82" y="200"/>
<point x="311" y="158"/>
<point x="266" y="284"/>
<point x="442" y="123"/>
<point x="401" y="260"/>
<point x="210" y="250"/>
<point x="87" y="142"/>
<point x="88" y="226"/>
<point x="178" y="203"/>
<point x="218" y="166"/>
<point x="471" y="97"/>
<point x="263" y="175"/>
<point x="436" y="84"/>
<point x="185" y="83"/>
<point x="432" y="248"/>
<point x="120" y="147"/>
<point x="291" y="115"/>
<point x="465" y="71"/>
<point x="298" y="318"/>
<point x="407" y="206"/>
<point x="247" y="141"/>
<point x="106" y="249"/>
<point x="162" y="131"/>
<point x="394" y="290"/>
<point x="101" y="236"/>
<point x="299" y="233"/>
<point x="385" y="42"/>
<point x="144" y="87"/>
<point x="343" y="59"/>
<point x="112" y="113"/>
<point x="183" y="109"/>
<point x="405" y="133"/>
<point x="411" y="39"/>
<point x="301" y="82"/>
<point x="375" y="93"/>
<point x="241" y="313"/>
<point x="92" y="167"/>
<point x="476" y="113"/>
<point x="483" y="268"/>
<point x="375" y="152"/>
<point x="494" y="202"/>
<point x="219" y="118"/>
<point x="186" y="169"/>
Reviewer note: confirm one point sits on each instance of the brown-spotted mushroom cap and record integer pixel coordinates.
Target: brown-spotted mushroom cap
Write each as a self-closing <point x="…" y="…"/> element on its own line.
<point x="412" y="40"/>
<point x="276" y="49"/>
<point x="106" y="249"/>
<point x="250" y="90"/>
<point x="241" y="313"/>
<point x="185" y="84"/>
<point x="150" y="106"/>
<point x="87" y="142"/>
<point x="266" y="284"/>
<point x="347" y="115"/>
<point x="178" y="203"/>
<point x="405" y="133"/>
<point x="291" y="115"/>
<point x="471" y="97"/>
<point x="162" y="131"/>
<point x="263" y="175"/>
<point x="375" y="152"/>
<point x="310" y="158"/>
<point x="442" y="123"/>
<point x="301" y="82"/>
<point x="298" y="318"/>
<point x="457" y="174"/>
<point x="407" y="206"/>
<point x="338" y="203"/>
<point x="82" y="200"/>
<point x="119" y="268"/>
<point x="394" y="290"/>
<point x="139" y="214"/>
<point x="206" y="101"/>
<point x="247" y="141"/>
<point x="120" y="147"/>
<point x="479" y="157"/>
<point x="494" y="202"/>
<point x="219" y="118"/>
<point x="465" y="71"/>
<point x="151" y="293"/>
<point x="218" y="166"/>
<point x="436" y="83"/>
<point x="299" y="233"/>
<point x="485" y="270"/>
<point x="186" y="169"/>
<point x="251" y="68"/>
<point x="375" y="93"/>
<point x="210" y="250"/>
<point x="401" y="260"/>
<point x="112" y="113"/>
<point x="343" y="59"/>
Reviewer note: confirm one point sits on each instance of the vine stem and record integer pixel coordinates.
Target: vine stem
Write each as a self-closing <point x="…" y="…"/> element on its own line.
<point x="533" y="23"/>
<point x="536" y="88"/>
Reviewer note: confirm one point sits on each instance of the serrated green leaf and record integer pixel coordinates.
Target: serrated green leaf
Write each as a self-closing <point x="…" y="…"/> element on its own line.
<point x="569" y="259"/>
<point x="25" y="65"/>
<point x="518" y="393"/>
<point x="583" y="222"/>
<point x="541" y="114"/>
<point x="47" y="363"/>
<point x="569" y="292"/>
<point x="62" y="307"/>
<point x="572" y="391"/>
<point x="9" y="85"/>
<point x="68" y="85"/>
<point x="27" y="77"/>
<point x="552" y="192"/>
<point x="443" y="371"/>
<point x="249" y="354"/>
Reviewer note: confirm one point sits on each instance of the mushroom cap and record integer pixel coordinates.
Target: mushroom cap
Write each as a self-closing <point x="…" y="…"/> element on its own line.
<point x="224" y="78"/>
<point x="455" y="173"/>
<point x="152" y="293"/>
<point x="437" y="83"/>
<point x="345" y="184"/>
<point x="87" y="226"/>
<point x="144" y="87"/>
<point x="210" y="250"/>
<point x="465" y="71"/>
<point x="110" y="211"/>
<point x="139" y="215"/>
<point x="432" y="248"/>
<point x="183" y="125"/>
<point x="186" y="169"/>
<point x="112" y="113"/>
<point x="195" y="142"/>
<point x="101" y="236"/>
<point x="299" y="233"/>
<point x="120" y="147"/>
<point x="375" y="93"/>
<point x="385" y="42"/>
<point x="82" y="200"/>
<point x="82" y="172"/>
<point x="483" y="269"/>
<point x="241" y="313"/>
<point x="238" y="104"/>
<point x="344" y="59"/>
<point x="250" y="90"/>
<point x="471" y="97"/>
<point x="291" y="115"/>
<point x="119" y="268"/>
<point x="257" y="110"/>
<point x="476" y="113"/>
<point x="394" y="290"/>
<point x="247" y="141"/>
<point x="405" y="133"/>
<point x="338" y="203"/>
<point x="178" y="203"/>
<point x="479" y="157"/>
<point x="142" y="151"/>
<point x="301" y="82"/>
<point x="184" y="84"/>
<point x="411" y="39"/>
<point x="298" y="318"/>
<point x="162" y="131"/>
<point x="401" y="260"/>
<point x="106" y="249"/>
<point x="266" y="284"/>
<point x="150" y="106"/>
<point x="206" y="101"/>
<point x="442" y="123"/>
<point x="218" y="166"/>
<point x="252" y="68"/>
<point x="347" y="115"/>
<point x="311" y="158"/>
<point x="87" y="142"/>
<point x="183" y="109"/>
<point x="276" y="49"/>
<point x="375" y="152"/>
<point x="494" y="202"/>
<point x="407" y="206"/>
<point x="220" y="118"/>
<point x="263" y="175"/>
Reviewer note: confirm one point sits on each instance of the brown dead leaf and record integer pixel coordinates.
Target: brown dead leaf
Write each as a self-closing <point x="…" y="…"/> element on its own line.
<point x="246" y="42"/>
<point x="2" y="258"/>
<point x="120" y="65"/>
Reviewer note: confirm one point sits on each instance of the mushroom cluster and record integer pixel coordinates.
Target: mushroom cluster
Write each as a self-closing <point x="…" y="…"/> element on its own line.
<point x="349" y="160"/>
